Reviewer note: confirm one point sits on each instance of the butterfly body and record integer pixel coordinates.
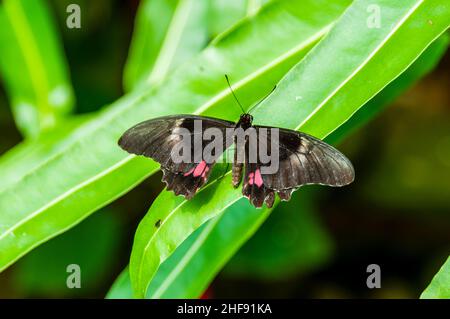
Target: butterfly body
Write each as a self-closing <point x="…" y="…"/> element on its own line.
<point x="245" y="121"/>
<point x="301" y="159"/>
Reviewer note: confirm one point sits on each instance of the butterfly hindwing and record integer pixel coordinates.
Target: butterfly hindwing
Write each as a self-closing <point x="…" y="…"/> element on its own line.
<point x="157" y="139"/>
<point x="188" y="183"/>
<point x="253" y="187"/>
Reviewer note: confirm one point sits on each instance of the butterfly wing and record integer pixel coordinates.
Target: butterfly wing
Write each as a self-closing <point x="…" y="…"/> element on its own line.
<point x="253" y="187"/>
<point x="158" y="139"/>
<point x="304" y="159"/>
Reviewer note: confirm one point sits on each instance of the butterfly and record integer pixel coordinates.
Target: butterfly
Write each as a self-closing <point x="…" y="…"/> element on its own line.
<point x="301" y="158"/>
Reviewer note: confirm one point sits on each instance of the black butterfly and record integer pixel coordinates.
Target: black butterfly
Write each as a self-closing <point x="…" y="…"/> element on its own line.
<point x="303" y="159"/>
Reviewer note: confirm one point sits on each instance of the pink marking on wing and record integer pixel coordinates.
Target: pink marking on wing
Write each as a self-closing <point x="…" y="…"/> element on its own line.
<point x="199" y="169"/>
<point x="250" y="178"/>
<point x="188" y="173"/>
<point x="258" y="178"/>
<point x="205" y="171"/>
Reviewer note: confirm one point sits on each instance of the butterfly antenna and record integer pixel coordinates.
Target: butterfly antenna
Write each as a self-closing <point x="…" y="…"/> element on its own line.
<point x="265" y="97"/>
<point x="229" y="85"/>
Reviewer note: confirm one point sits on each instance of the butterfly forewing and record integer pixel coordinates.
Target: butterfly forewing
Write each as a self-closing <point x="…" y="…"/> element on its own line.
<point x="158" y="138"/>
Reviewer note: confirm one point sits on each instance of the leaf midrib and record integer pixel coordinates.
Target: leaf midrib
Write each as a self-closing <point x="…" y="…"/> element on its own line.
<point x="197" y="245"/>
<point x="362" y="65"/>
<point x="167" y="53"/>
<point x="30" y="53"/>
<point x="186" y="258"/>
<point x="226" y="92"/>
<point x="72" y="190"/>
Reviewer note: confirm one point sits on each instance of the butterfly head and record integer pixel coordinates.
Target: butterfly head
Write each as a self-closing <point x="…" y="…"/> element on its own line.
<point x="245" y="121"/>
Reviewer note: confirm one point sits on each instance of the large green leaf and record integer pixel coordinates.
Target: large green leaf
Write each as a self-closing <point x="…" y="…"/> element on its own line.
<point x="324" y="106"/>
<point x="427" y="61"/>
<point x="168" y="33"/>
<point x="32" y="65"/>
<point x="185" y="274"/>
<point x="121" y="288"/>
<point x="89" y="170"/>
<point x="439" y="287"/>
<point x="174" y="279"/>
<point x="165" y="32"/>
<point x="207" y="253"/>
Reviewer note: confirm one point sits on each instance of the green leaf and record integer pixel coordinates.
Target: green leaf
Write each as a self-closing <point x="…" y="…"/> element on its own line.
<point x="439" y="287"/>
<point x="32" y="65"/>
<point x="89" y="170"/>
<point x="325" y="105"/>
<point x="427" y="61"/>
<point x="194" y="264"/>
<point x="150" y="29"/>
<point x="165" y="33"/>
<point x="356" y="78"/>
<point x="291" y="242"/>
<point x="169" y="270"/>
<point x="224" y="13"/>
<point x="169" y="33"/>
<point x="187" y="273"/>
<point x="121" y="288"/>
<point x="182" y="281"/>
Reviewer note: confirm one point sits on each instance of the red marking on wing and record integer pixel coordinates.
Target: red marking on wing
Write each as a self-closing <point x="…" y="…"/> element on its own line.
<point x="250" y="178"/>
<point x="199" y="169"/>
<point x="258" y="178"/>
<point x="205" y="171"/>
<point x="189" y="173"/>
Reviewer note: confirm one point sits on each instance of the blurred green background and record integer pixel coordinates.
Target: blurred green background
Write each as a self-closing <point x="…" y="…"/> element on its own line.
<point x="397" y="214"/>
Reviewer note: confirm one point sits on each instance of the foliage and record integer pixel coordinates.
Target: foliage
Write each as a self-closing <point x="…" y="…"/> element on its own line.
<point x="439" y="287"/>
<point x="42" y="94"/>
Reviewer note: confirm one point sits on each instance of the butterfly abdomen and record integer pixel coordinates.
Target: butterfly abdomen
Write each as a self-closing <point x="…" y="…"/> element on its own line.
<point x="238" y="165"/>
<point x="236" y="173"/>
